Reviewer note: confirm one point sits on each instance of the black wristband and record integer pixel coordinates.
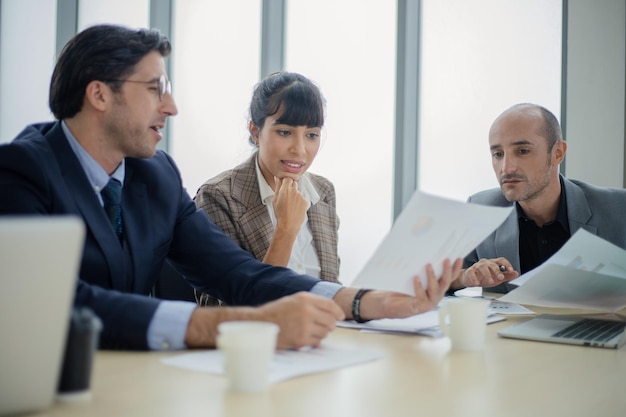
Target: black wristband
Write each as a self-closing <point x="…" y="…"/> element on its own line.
<point x="356" y="305"/>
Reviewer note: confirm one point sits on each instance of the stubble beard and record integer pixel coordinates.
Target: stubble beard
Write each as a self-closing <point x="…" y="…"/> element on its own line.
<point x="533" y="191"/>
<point x="131" y="140"/>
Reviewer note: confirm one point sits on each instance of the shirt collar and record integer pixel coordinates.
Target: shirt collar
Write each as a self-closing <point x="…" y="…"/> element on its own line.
<point x="305" y="187"/>
<point x="96" y="175"/>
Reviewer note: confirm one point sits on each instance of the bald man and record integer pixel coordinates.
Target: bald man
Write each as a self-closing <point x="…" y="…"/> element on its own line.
<point x="527" y="147"/>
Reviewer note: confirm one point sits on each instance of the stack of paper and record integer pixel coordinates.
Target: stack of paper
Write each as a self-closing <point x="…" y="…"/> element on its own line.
<point x="425" y="324"/>
<point x="586" y="273"/>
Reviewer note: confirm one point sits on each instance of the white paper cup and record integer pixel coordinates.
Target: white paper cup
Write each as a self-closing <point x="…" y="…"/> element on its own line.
<point x="248" y="348"/>
<point x="464" y="321"/>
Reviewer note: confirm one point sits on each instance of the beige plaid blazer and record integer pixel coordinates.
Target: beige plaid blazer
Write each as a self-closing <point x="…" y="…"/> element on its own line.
<point x="233" y="202"/>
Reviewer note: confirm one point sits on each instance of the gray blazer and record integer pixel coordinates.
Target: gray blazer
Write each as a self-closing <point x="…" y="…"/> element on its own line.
<point x="597" y="210"/>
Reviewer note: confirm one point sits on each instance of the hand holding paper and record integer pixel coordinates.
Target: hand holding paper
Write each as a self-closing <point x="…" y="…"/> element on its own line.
<point x="430" y="229"/>
<point x="587" y="272"/>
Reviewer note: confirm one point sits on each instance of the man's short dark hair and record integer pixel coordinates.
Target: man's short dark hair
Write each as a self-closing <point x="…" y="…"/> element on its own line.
<point x="102" y="52"/>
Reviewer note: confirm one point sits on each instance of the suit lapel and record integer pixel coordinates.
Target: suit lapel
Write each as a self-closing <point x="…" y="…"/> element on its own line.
<point x="578" y="210"/>
<point x="578" y="213"/>
<point x="88" y="205"/>
<point x="505" y="246"/>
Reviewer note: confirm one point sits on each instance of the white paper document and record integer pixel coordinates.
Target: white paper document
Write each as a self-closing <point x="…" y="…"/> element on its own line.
<point x="286" y="363"/>
<point x="586" y="273"/>
<point x="509" y="309"/>
<point x="425" y="324"/>
<point x="429" y="230"/>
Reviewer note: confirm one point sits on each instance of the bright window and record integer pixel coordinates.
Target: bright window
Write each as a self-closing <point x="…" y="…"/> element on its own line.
<point x="132" y="13"/>
<point x="215" y="65"/>
<point x="348" y="48"/>
<point x="26" y="63"/>
<point x="478" y="59"/>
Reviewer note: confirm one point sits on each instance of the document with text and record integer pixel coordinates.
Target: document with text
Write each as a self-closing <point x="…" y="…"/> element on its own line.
<point x="429" y="230"/>
<point x="586" y="273"/>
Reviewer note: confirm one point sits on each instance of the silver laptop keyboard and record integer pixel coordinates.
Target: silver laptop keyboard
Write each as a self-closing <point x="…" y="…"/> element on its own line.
<point x="592" y="330"/>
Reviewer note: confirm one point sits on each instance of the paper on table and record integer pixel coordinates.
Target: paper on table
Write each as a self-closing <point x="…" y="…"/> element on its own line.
<point x="429" y="230"/>
<point x="425" y="324"/>
<point x="509" y="309"/>
<point x="286" y="363"/>
<point x="586" y="273"/>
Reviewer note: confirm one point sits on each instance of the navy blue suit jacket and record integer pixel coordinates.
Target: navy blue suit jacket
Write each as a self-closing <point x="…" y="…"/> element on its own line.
<point x="40" y="174"/>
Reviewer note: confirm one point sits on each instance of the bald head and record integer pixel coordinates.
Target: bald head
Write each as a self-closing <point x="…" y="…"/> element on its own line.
<point x="532" y="114"/>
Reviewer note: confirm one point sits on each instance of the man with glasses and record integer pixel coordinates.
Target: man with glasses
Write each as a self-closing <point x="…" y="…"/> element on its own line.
<point x="111" y="97"/>
<point x="160" y="85"/>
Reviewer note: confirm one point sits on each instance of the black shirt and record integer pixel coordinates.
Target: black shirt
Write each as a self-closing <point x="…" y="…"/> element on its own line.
<point x="537" y="244"/>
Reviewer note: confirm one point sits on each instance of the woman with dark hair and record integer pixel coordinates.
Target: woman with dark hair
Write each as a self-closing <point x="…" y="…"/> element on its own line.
<point x="270" y="204"/>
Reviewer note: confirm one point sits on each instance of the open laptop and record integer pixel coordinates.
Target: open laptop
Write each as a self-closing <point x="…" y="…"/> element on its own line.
<point x="575" y="330"/>
<point x="39" y="260"/>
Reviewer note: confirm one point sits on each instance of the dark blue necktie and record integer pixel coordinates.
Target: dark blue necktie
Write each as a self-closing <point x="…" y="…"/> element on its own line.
<point x="112" y="198"/>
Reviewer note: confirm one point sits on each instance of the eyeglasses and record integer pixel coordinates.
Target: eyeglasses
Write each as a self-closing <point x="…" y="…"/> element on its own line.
<point x="165" y="86"/>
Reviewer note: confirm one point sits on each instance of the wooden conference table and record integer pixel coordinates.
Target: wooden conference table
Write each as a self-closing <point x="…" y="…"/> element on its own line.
<point x="419" y="376"/>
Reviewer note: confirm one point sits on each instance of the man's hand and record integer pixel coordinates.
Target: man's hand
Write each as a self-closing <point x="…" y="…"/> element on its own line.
<point x="486" y="273"/>
<point x="387" y="304"/>
<point x="304" y="320"/>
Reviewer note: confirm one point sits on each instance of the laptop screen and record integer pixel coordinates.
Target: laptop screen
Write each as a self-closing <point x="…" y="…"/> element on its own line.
<point x="39" y="261"/>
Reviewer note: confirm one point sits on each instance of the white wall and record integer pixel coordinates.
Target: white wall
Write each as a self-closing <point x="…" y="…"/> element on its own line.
<point x="479" y="58"/>
<point x="596" y="92"/>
